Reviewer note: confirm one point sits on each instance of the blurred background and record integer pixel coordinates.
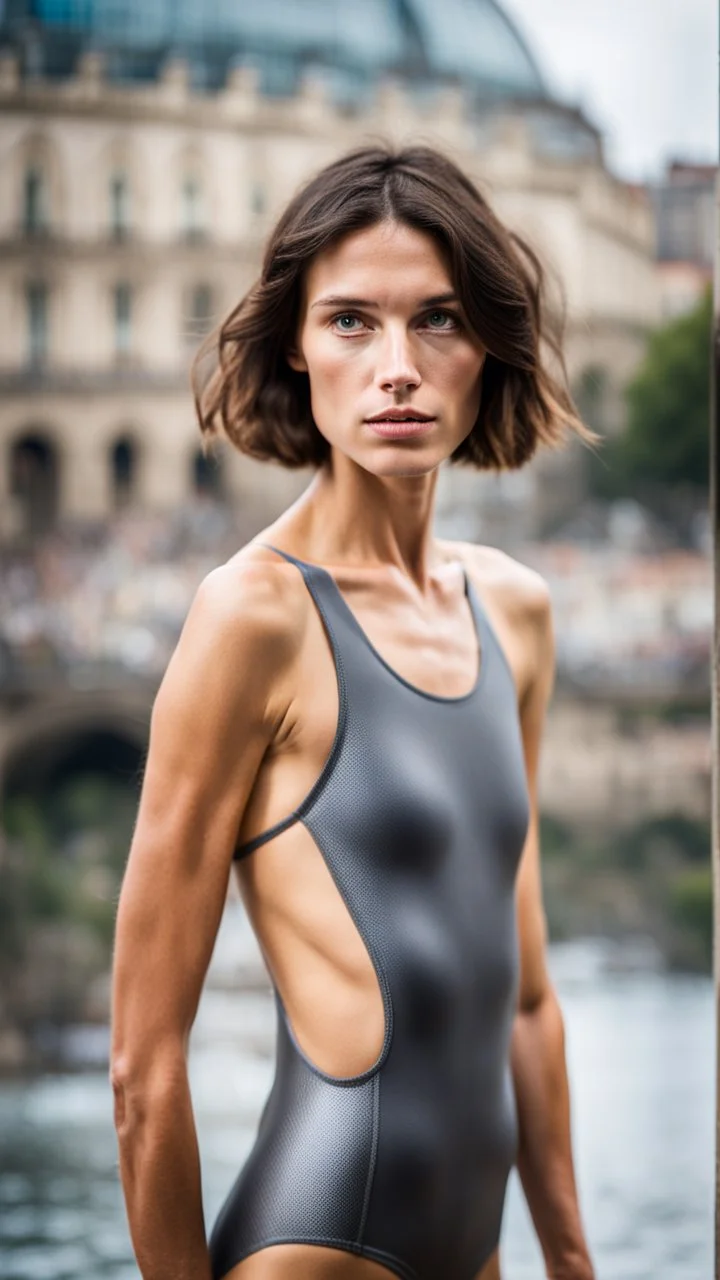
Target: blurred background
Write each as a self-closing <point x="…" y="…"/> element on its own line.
<point x="145" y="151"/>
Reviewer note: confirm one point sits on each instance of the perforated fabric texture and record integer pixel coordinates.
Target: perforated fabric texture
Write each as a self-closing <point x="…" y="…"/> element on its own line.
<point x="293" y="1185"/>
<point x="421" y="821"/>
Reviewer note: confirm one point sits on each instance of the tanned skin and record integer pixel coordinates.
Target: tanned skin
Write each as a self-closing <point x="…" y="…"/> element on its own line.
<point x="242" y="724"/>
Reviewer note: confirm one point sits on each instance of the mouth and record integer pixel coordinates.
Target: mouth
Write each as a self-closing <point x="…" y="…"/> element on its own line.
<point x="400" y="423"/>
<point x="400" y="415"/>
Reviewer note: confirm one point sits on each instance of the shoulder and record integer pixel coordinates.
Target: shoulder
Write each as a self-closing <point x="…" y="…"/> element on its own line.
<point x="522" y="592"/>
<point x="254" y="598"/>
<point x="243" y="632"/>
<point x="517" y="598"/>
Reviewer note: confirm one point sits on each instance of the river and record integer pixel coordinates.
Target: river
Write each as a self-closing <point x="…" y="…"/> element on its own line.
<point x="640" y="1049"/>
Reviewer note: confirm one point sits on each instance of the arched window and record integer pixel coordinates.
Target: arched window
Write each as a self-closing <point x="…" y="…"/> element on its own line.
<point x="34" y="480"/>
<point x="258" y="199"/>
<point x="35" y="201"/>
<point x="192" y="208"/>
<point x="122" y="320"/>
<point x="36" y="311"/>
<point x="119" y="206"/>
<point x="199" y="313"/>
<point x="123" y="470"/>
<point x="207" y="475"/>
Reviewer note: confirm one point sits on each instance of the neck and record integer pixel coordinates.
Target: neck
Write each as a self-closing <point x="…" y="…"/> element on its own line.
<point x="349" y="516"/>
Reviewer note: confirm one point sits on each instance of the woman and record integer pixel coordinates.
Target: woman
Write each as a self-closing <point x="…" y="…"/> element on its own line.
<point x="353" y="713"/>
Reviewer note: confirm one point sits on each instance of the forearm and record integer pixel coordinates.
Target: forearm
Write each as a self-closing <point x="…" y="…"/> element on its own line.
<point x="160" y="1171"/>
<point x="545" y="1162"/>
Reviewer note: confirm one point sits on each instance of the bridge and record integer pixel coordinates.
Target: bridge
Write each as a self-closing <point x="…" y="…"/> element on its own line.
<point x="637" y="740"/>
<point x="58" y="720"/>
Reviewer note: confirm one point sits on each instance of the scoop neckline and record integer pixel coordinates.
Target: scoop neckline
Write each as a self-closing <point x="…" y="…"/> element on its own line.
<point x="476" y="613"/>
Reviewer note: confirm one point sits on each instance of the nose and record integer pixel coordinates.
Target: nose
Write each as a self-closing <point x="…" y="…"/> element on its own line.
<point x="396" y="371"/>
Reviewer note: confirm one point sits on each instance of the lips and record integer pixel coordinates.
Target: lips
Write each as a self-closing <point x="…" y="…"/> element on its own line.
<point x="400" y="427"/>
<point x="400" y="415"/>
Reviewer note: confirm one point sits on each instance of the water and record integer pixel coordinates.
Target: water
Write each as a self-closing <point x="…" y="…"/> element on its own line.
<point x="640" y="1050"/>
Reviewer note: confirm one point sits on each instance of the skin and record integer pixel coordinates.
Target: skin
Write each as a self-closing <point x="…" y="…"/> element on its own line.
<point x="243" y="722"/>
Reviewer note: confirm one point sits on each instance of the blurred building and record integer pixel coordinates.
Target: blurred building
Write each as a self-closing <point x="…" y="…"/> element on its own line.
<point x="684" y="204"/>
<point x="145" y="150"/>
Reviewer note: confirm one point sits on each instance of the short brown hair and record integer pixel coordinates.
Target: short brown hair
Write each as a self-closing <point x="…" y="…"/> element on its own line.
<point x="263" y="406"/>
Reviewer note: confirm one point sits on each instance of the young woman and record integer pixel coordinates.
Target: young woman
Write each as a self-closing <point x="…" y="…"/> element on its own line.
<point x="353" y="716"/>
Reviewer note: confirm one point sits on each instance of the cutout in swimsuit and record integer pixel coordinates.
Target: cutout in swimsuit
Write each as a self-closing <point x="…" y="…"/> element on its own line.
<point x="420" y="812"/>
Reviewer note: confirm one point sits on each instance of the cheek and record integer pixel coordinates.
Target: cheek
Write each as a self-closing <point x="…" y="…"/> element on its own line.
<point x="330" y="368"/>
<point x="458" y="375"/>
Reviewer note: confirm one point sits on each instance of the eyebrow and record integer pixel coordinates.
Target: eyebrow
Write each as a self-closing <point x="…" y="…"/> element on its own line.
<point x="437" y="300"/>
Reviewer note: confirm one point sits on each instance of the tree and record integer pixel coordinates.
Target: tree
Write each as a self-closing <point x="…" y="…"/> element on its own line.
<point x="663" y="455"/>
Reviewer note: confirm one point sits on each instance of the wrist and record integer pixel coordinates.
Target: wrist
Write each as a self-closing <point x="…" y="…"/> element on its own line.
<point x="575" y="1267"/>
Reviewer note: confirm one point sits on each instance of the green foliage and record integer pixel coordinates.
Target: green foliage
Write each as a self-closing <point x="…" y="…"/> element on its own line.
<point x="557" y="839"/>
<point x="691" y="905"/>
<point x="673" y="839"/>
<point x="652" y="875"/>
<point x="65" y="854"/>
<point x="666" y="442"/>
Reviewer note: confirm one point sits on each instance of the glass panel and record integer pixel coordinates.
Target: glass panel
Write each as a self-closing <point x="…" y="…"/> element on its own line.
<point x="371" y="33"/>
<point x="119" y="206"/>
<point x="122" y="302"/>
<point x="36" y="301"/>
<point x="35" y="202"/>
<point x="201" y="313"/>
<point x="473" y="39"/>
<point x="192" y="211"/>
<point x="70" y="13"/>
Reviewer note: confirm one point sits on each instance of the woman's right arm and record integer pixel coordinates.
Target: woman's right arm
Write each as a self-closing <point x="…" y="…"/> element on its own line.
<point x="222" y="698"/>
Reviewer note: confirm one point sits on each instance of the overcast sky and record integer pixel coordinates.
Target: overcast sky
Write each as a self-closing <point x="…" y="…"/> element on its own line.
<point x="645" y="72"/>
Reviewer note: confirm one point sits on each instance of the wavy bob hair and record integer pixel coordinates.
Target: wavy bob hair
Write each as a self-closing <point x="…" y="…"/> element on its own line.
<point x="253" y="396"/>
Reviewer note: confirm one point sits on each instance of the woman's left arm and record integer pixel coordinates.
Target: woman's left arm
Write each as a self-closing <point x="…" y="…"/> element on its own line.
<point x="544" y="1162"/>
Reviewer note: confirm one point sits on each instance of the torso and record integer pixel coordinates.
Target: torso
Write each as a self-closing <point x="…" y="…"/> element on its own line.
<point x="437" y="652"/>
<point x="314" y="937"/>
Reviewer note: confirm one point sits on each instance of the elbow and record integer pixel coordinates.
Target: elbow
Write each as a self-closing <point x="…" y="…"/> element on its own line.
<point x="539" y="998"/>
<point x="130" y="1092"/>
<point x="144" y="1085"/>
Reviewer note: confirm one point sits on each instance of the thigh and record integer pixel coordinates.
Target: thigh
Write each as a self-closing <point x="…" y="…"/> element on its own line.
<point x="491" y="1270"/>
<point x="310" y="1262"/>
<point x="307" y="1262"/>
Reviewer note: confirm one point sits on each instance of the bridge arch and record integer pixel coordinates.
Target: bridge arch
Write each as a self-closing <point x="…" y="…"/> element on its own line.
<point x="81" y="732"/>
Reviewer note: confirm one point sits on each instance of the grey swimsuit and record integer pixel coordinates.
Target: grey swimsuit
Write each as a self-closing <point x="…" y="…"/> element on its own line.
<point x="421" y="813"/>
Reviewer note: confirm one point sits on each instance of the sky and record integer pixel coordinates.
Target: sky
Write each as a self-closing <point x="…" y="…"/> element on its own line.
<point x="644" y="71"/>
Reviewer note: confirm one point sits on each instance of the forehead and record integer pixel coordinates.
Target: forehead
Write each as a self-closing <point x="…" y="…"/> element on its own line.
<point x="377" y="261"/>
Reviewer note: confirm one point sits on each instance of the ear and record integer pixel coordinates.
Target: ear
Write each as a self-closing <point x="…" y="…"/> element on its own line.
<point x="296" y="360"/>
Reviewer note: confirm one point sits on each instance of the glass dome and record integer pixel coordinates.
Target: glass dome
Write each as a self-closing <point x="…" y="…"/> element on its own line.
<point x="467" y="41"/>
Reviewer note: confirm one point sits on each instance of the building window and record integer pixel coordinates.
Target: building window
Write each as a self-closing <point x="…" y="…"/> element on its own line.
<point x="200" y="314"/>
<point x="123" y="471"/>
<point x="34" y="481"/>
<point x="35" y="220"/>
<point x="207" y="475"/>
<point x="122" y="307"/>
<point x="192" y="212"/>
<point x="119" y="206"/>
<point x="258" y="199"/>
<point x="36" y="303"/>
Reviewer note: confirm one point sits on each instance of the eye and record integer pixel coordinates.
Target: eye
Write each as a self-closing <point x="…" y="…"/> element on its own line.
<point x="345" y="322"/>
<point x="439" y="319"/>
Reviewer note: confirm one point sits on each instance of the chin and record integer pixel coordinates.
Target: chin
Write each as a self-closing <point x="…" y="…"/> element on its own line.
<point x="402" y="461"/>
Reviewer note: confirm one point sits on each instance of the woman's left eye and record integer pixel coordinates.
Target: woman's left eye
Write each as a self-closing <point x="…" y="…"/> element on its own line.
<point x="441" y="320"/>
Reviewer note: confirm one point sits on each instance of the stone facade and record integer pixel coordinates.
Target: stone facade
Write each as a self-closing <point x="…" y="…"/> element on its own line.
<point x="133" y="216"/>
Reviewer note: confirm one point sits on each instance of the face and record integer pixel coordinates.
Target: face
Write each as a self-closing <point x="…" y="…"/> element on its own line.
<point x="394" y="369"/>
